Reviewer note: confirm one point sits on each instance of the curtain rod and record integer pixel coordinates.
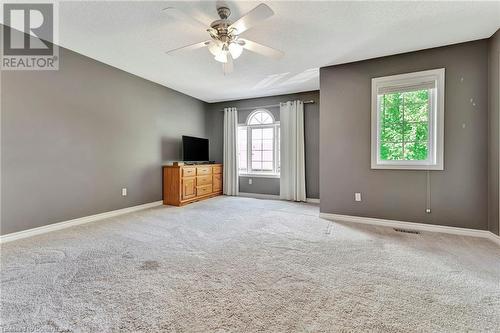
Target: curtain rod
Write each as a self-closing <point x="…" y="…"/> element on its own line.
<point x="267" y="106"/>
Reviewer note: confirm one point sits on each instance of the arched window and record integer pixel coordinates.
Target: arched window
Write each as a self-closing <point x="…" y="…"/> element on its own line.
<point x="258" y="144"/>
<point x="260" y="117"/>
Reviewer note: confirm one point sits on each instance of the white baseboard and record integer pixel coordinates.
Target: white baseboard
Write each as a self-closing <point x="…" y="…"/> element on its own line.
<point x="412" y="226"/>
<point x="270" y="197"/>
<point x="259" y="196"/>
<point x="66" y="224"/>
<point x="494" y="238"/>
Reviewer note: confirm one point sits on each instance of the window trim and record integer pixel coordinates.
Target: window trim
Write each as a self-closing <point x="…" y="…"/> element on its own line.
<point x="274" y="125"/>
<point x="436" y="120"/>
<point x="259" y="175"/>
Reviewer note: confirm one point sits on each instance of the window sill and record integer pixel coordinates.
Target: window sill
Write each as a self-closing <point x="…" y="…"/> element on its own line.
<point x="429" y="167"/>
<point x="259" y="175"/>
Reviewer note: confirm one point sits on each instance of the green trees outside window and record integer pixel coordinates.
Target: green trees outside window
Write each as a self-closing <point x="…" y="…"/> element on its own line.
<point x="404" y="130"/>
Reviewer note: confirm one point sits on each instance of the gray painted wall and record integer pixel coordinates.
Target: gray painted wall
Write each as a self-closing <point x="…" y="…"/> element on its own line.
<point x="71" y="139"/>
<point x="459" y="193"/>
<point x="494" y="138"/>
<point x="260" y="185"/>
<point x="215" y="122"/>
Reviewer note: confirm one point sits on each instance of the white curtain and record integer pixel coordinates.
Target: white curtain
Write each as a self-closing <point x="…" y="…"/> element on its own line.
<point x="292" y="173"/>
<point x="230" y="168"/>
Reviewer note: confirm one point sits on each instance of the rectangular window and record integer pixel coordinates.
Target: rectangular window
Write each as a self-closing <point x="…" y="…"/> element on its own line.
<point x="407" y="121"/>
<point x="263" y="149"/>
<point x="242" y="149"/>
<point x="278" y="148"/>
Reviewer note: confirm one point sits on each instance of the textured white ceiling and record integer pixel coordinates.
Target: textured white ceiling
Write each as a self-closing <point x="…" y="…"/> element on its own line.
<point x="134" y="36"/>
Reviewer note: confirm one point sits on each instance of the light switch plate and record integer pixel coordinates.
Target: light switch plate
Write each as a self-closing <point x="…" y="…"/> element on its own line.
<point x="124" y="192"/>
<point x="357" y="196"/>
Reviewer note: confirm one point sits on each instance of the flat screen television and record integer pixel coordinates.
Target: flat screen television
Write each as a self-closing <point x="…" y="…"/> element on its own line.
<point x="194" y="149"/>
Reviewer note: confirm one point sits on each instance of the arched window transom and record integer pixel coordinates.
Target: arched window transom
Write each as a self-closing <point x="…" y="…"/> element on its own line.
<point x="260" y="117"/>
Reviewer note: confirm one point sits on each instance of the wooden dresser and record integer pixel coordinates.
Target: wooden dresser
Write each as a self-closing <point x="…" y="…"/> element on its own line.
<point x="183" y="184"/>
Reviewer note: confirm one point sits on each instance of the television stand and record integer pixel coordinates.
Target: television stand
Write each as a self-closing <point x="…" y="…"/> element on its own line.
<point x="183" y="184"/>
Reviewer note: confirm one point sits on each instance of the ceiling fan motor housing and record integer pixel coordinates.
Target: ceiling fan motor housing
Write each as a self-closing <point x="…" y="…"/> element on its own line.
<point x="223" y="12"/>
<point x="222" y="25"/>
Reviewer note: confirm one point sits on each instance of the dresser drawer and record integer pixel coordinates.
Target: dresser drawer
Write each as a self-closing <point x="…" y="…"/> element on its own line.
<point x="217" y="169"/>
<point x="202" y="190"/>
<point x="203" y="170"/>
<point x="189" y="172"/>
<point x="203" y="180"/>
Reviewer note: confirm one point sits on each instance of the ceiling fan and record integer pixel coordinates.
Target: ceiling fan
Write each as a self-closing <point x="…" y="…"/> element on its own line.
<point x="225" y="43"/>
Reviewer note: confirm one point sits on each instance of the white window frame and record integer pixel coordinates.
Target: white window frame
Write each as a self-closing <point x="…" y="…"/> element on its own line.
<point x="435" y="159"/>
<point x="275" y="125"/>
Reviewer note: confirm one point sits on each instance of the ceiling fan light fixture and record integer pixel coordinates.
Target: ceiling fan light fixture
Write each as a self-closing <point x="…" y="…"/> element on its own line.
<point x="214" y="47"/>
<point x="221" y="57"/>
<point x="235" y="49"/>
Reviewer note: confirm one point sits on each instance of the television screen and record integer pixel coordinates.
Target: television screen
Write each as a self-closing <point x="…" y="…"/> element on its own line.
<point x="194" y="149"/>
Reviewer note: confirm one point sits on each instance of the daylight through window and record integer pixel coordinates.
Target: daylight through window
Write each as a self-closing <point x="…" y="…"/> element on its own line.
<point x="258" y="144"/>
<point x="407" y="121"/>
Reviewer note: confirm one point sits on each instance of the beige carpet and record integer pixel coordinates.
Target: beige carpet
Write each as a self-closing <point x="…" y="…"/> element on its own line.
<point x="247" y="265"/>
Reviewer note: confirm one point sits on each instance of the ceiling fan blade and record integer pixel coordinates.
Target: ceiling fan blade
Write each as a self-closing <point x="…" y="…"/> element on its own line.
<point x="179" y="14"/>
<point x="259" y="13"/>
<point x="261" y="49"/>
<point x="189" y="47"/>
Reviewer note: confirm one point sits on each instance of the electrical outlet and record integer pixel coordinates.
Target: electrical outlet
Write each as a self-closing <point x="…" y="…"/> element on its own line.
<point x="124" y="192"/>
<point x="249" y="181"/>
<point x="357" y="196"/>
